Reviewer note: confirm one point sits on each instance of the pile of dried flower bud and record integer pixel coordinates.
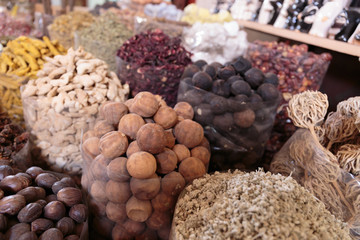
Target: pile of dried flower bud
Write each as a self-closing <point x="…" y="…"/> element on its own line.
<point x="138" y="158"/>
<point x="253" y="205"/>
<point x="39" y="204"/>
<point x="63" y="103"/>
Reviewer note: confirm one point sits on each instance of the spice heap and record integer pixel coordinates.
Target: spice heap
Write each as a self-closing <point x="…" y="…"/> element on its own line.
<point x="63" y="102"/>
<point x="40" y="204"/>
<point x="170" y="28"/>
<point x="253" y="205"/>
<point x="138" y="158"/>
<point x="64" y="27"/>
<point x="104" y="37"/>
<point x="152" y="61"/>
<point x="26" y="56"/>
<point x="13" y="27"/>
<point x="236" y="104"/>
<point x="163" y="10"/>
<point x="193" y="14"/>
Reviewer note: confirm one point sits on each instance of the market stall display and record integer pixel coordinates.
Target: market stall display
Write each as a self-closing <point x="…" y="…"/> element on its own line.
<point x="138" y="157"/>
<point x="12" y="27"/>
<point x="193" y="13"/>
<point x="170" y="28"/>
<point x="163" y="10"/>
<point x="63" y="102"/>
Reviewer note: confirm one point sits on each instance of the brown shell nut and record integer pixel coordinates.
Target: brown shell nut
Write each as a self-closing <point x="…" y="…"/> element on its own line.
<point x="116" y="212"/>
<point x="172" y="184"/>
<point x="50" y="198"/>
<point x="185" y="110"/>
<point x="52" y="234"/>
<point x="245" y="118"/>
<point x="141" y="165"/>
<point x="166" y="117"/>
<point x="63" y="183"/>
<point x="41" y="224"/>
<point x="5" y="171"/>
<point x="113" y="144"/>
<point x="118" y="192"/>
<point x="116" y="170"/>
<point x="42" y="202"/>
<point x="28" y="236"/>
<point x="112" y="112"/>
<point x="91" y="146"/>
<point x="1" y="194"/>
<point x="205" y="143"/>
<point x="46" y="180"/>
<point x="163" y="233"/>
<point x="97" y="191"/>
<point x="54" y="210"/>
<point x="189" y="133"/>
<point x="166" y="161"/>
<point x="14" y="184"/>
<point x="132" y="148"/>
<point x="97" y="208"/>
<point x="78" y="212"/>
<point x="12" y="204"/>
<point x="145" y="189"/>
<point x="32" y="194"/>
<point x="158" y="220"/>
<point x="89" y="134"/>
<point x="16" y="231"/>
<point x="138" y="210"/>
<point x="119" y="232"/>
<point x="191" y="168"/>
<point x="102" y="127"/>
<point x="70" y="196"/>
<point x="144" y="104"/>
<point x="3" y="223"/>
<point x="151" y="138"/>
<point x="201" y="153"/>
<point x="181" y="152"/>
<point x="147" y="234"/>
<point x="163" y="202"/>
<point x="66" y="225"/>
<point x="30" y="212"/>
<point x="169" y="138"/>
<point x="134" y="228"/>
<point x="98" y="167"/>
<point x="129" y="102"/>
<point x="34" y="171"/>
<point x="130" y="124"/>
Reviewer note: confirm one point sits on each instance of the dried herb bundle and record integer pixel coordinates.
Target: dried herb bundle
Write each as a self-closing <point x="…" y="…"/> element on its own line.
<point x="349" y="158"/>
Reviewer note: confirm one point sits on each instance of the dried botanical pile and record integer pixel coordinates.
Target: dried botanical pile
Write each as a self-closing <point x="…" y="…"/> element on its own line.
<point x="253" y="205"/>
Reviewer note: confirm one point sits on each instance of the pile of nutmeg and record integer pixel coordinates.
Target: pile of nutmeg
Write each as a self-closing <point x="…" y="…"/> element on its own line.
<point x="137" y="159"/>
<point x="40" y="204"/>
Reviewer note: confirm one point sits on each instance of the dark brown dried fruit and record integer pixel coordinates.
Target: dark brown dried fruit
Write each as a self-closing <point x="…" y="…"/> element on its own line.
<point x="151" y="138"/>
<point x="12" y="204"/>
<point x="54" y="210"/>
<point x="32" y="194"/>
<point x="28" y="236"/>
<point x="52" y="233"/>
<point x="16" y="231"/>
<point x="145" y="189"/>
<point x="70" y="196"/>
<point x="46" y="180"/>
<point x="78" y="212"/>
<point x="34" y="171"/>
<point x="202" y="80"/>
<point x="30" y="212"/>
<point x="66" y="225"/>
<point x="3" y="223"/>
<point x="40" y="225"/>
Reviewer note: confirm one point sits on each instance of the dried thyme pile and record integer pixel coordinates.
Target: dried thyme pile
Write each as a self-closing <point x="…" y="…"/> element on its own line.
<point x="254" y="205"/>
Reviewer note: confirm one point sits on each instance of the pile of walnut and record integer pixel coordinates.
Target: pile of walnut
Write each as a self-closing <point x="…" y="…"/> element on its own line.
<point x="138" y="158"/>
<point x="63" y="102"/>
<point x="40" y="205"/>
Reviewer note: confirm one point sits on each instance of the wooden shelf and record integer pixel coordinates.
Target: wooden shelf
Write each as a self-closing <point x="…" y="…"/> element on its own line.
<point x="334" y="45"/>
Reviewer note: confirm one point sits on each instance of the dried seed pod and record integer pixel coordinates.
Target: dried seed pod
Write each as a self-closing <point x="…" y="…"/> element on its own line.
<point x="70" y="196"/>
<point x="166" y="161"/>
<point x="54" y="210"/>
<point x="163" y="202"/>
<point x="30" y="212"/>
<point x="112" y="112"/>
<point x="118" y="192"/>
<point x="46" y="180"/>
<point x="144" y="104"/>
<point x="191" y="168"/>
<point x="132" y="148"/>
<point x="350" y="107"/>
<point x="348" y="156"/>
<point x="189" y="133"/>
<point x="201" y="153"/>
<point x="78" y="212"/>
<point x="113" y="144"/>
<point x="166" y="117"/>
<point x="32" y="194"/>
<point x="116" y="211"/>
<point x="141" y="165"/>
<point x="12" y="204"/>
<point x="130" y="124"/>
<point x="172" y="184"/>
<point x="181" y="152"/>
<point x="138" y="210"/>
<point x="151" y="138"/>
<point x="116" y="170"/>
<point x="66" y="225"/>
<point x="185" y="110"/>
<point x="102" y="127"/>
<point x="16" y="231"/>
<point x="52" y="233"/>
<point x="145" y="189"/>
<point x="98" y="191"/>
<point x="134" y="228"/>
<point x="40" y="225"/>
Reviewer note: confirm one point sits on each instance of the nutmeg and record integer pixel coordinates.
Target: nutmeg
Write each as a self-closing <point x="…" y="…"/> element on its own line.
<point x="185" y="110"/>
<point x="191" y="168"/>
<point x="1" y="194"/>
<point x="70" y="196"/>
<point x="97" y="191"/>
<point x="54" y="210"/>
<point x="113" y="144"/>
<point x="189" y="133"/>
<point x="116" y="211"/>
<point x="166" y="117"/>
<point x="245" y="118"/>
<point x="50" y="198"/>
<point x="78" y="212"/>
<point x="144" y="104"/>
<point x="158" y="220"/>
<point x="166" y="161"/>
<point x="164" y="232"/>
<point x="130" y="124"/>
<point x="85" y="183"/>
<point x="12" y="204"/>
<point x="26" y="176"/>
<point x="181" y="151"/>
<point x="161" y="101"/>
<point x="169" y="138"/>
<point x="72" y="237"/>
<point x="112" y="112"/>
<point x="97" y="208"/>
<point x="147" y="234"/>
<point x="103" y="226"/>
<point x="28" y="236"/>
<point x="52" y="233"/>
<point x="138" y="210"/>
<point x="119" y="232"/>
<point x="40" y="225"/>
<point x="66" y="225"/>
<point x="151" y="138"/>
<point x="145" y="189"/>
<point x="42" y="202"/>
<point x="118" y="192"/>
<point x="172" y="184"/>
<point x="88" y="134"/>
<point x="205" y="143"/>
<point x="91" y="146"/>
<point x="30" y="212"/>
<point x="133" y="227"/>
<point x="116" y="170"/>
<point x="163" y="202"/>
<point x="141" y="165"/>
<point x="102" y="127"/>
<point x="34" y="171"/>
<point x="3" y="223"/>
<point x="132" y="148"/>
<point x="16" y="231"/>
<point x="14" y="183"/>
<point x="98" y="168"/>
<point x="32" y="194"/>
<point x="64" y="182"/>
<point x="46" y="180"/>
<point x="201" y="153"/>
<point x="5" y="171"/>
<point x="129" y="102"/>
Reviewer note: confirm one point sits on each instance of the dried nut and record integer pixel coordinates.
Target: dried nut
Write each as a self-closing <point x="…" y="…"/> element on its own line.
<point x="147" y="234"/>
<point x="79" y="228"/>
<point x="113" y="144"/>
<point x="205" y="143"/>
<point x="116" y="212"/>
<point x="52" y="233"/>
<point x="141" y="165"/>
<point x="64" y="182"/>
<point x="72" y="237"/>
<point x="24" y="175"/>
<point x="85" y="183"/>
<point x="50" y="198"/>
<point x="101" y="127"/>
<point x="34" y="171"/>
<point x="40" y="225"/>
<point x="191" y="168"/>
<point x="91" y="146"/>
<point x="245" y="118"/>
<point x="14" y="183"/>
<point x="172" y="184"/>
<point x="78" y="212"/>
<point x="112" y="112"/>
<point x="116" y="170"/>
<point x="138" y="210"/>
<point x="119" y="232"/>
<point x="5" y="171"/>
<point x="12" y="204"/>
<point x="189" y="133"/>
<point x="66" y="225"/>
<point x="88" y="134"/>
<point x="1" y="194"/>
<point x="163" y="233"/>
<point x="97" y="208"/>
<point x="118" y="192"/>
<point x="130" y="124"/>
<point x="144" y="104"/>
<point x="54" y="210"/>
<point x="70" y="196"/>
<point x="185" y="110"/>
<point x="163" y="202"/>
<point x="134" y="228"/>
<point x="158" y="220"/>
<point x="166" y="117"/>
<point x="98" y="167"/>
<point x="181" y="152"/>
<point x="166" y="161"/>
<point x="46" y="180"/>
<point x="132" y="148"/>
<point x="42" y="202"/>
<point x="169" y="138"/>
<point x="28" y="236"/>
<point x="16" y="231"/>
<point x="3" y="223"/>
<point x="98" y="191"/>
<point x="104" y="226"/>
<point x="201" y="153"/>
<point x="145" y="189"/>
<point x="32" y="194"/>
<point x="149" y="120"/>
<point x="129" y="102"/>
<point x="30" y="212"/>
<point x="151" y="138"/>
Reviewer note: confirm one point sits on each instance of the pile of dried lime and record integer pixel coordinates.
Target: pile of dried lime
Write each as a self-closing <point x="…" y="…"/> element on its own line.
<point x="253" y="205"/>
